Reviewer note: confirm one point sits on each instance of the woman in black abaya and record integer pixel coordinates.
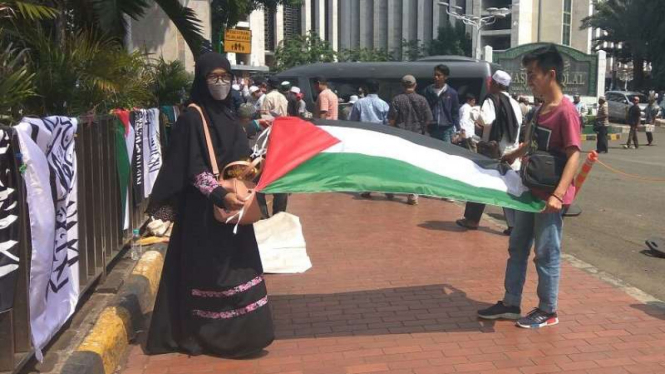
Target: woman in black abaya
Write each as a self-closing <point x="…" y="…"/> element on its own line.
<point x="212" y="298"/>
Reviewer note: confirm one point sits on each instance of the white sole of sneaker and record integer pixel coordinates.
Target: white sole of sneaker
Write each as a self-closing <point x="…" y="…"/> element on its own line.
<point x="511" y="316"/>
<point x="549" y="322"/>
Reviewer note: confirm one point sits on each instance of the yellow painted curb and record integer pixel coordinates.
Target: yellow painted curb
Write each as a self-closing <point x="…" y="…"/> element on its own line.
<point x="150" y="266"/>
<point x="108" y="337"/>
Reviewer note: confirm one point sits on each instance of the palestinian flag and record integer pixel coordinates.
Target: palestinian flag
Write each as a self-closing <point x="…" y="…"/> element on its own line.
<point x="344" y="156"/>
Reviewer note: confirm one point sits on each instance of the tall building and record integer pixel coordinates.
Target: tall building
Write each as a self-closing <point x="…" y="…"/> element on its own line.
<point x="345" y="24"/>
<point x="383" y="24"/>
<point x="532" y="21"/>
<point x="374" y="24"/>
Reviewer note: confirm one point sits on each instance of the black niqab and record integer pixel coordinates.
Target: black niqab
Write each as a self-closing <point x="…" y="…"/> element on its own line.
<point x="187" y="154"/>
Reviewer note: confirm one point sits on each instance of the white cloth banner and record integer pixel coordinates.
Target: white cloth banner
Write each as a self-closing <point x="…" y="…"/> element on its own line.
<point x="130" y="140"/>
<point x="47" y="147"/>
<point x="282" y="245"/>
<point x="9" y="233"/>
<point x="152" y="151"/>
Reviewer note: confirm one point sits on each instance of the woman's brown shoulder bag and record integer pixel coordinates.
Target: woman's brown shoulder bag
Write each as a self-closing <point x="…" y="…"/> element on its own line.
<point x="241" y="184"/>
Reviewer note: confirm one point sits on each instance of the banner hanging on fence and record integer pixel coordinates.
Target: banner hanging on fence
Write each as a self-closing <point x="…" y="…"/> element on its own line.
<point x="9" y="233"/>
<point x="47" y="148"/>
<point x="152" y="151"/>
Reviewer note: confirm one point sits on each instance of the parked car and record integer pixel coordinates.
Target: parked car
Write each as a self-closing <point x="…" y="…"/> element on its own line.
<point x="620" y="101"/>
<point x="346" y="78"/>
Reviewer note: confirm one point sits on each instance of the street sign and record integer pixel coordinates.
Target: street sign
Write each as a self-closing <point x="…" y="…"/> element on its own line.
<point x="580" y="70"/>
<point x="238" y="41"/>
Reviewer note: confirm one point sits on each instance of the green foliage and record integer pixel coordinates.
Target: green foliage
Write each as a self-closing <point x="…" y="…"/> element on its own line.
<point x="412" y="50"/>
<point x="109" y="17"/>
<point x="26" y="9"/>
<point x="226" y="13"/>
<point x="451" y="40"/>
<point x="170" y="81"/>
<point x="364" y="55"/>
<point x="85" y="72"/>
<point x="16" y="82"/>
<point x="638" y="26"/>
<point x="302" y="50"/>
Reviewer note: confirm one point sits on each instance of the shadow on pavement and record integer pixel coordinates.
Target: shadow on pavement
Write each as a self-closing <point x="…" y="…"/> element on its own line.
<point x="655" y="309"/>
<point x="419" y="309"/>
<point x="452" y="226"/>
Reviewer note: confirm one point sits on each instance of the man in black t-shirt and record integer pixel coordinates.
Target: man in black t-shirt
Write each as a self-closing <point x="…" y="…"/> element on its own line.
<point x="634" y="117"/>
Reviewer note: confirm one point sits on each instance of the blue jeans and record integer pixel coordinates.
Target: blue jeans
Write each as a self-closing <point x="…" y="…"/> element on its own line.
<point x="546" y="229"/>
<point x="442" y="133"/>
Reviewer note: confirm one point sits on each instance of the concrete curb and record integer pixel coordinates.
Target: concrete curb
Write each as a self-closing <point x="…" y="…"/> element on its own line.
<point x="105" y="344"/>
<point x="589" y="137"/>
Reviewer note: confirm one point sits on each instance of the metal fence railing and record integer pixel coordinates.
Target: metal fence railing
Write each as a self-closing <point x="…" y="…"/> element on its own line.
<point x="101" y="234"/>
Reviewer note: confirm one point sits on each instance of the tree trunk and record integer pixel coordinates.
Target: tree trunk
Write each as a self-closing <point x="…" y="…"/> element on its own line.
<point x="638" y="73"/>
<point x="60" y="23"/>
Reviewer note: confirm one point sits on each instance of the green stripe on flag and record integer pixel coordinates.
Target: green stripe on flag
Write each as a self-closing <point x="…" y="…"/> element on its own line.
<point x="347" y="172"/>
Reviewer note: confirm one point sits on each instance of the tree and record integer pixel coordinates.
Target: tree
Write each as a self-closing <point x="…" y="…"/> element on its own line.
<point x="25" y="9"/>
<point x="227" y="13"/>
<point x="633" y="24"/>
<point x="364" y="55"/>
<point x="412" y="50"/>
<point x="16" y="81"/>
<point x="109" y="17"/>
<point x="302" y="50"/>
<point x="169" y="81"/>
<point x="451" y="40"/>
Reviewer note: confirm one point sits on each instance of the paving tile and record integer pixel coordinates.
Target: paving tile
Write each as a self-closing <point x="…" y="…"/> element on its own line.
<point x="394" y="289"/>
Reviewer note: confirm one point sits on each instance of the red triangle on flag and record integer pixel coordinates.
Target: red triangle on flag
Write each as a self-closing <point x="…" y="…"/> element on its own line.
<point x="292" y="141"/>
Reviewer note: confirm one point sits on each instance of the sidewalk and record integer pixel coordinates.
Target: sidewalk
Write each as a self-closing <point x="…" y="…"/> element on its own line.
<point x="394" y="289"/>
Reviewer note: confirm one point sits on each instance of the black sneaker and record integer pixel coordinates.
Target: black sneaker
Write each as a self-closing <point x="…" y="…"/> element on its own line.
<point x="537" y="319"/>
<point x="500" y="311"/>
<point x="366" y="195"/>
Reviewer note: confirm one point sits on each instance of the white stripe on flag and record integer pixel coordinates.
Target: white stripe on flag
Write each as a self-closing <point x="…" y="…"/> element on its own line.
<point x="458" y="168"/>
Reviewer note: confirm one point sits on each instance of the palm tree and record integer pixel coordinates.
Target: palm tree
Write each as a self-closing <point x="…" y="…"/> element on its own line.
<point x="25" y="9"/>
<point x="16" y="81"/>
<point x="110" y="14"/>
<point x="110" y="17"/>
<point x="629" y="24"/>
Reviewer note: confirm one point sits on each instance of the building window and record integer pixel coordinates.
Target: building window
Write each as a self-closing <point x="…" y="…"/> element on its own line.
<point x="567" y="21"/>
<point x="328" y="16"/>
<point x="292" y="21"/>
<point x="269" y="24"/>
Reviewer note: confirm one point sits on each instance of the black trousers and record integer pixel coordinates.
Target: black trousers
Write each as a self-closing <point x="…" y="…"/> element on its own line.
<point x="279" y="201"/>
<point x="649" y="137"/>
<point x="474" y="212"/>
<point x="601" y="143"/>
<point x="632" y="135"/>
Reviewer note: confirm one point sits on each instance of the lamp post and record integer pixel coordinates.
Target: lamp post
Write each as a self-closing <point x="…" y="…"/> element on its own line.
<point x="478" y="23"/>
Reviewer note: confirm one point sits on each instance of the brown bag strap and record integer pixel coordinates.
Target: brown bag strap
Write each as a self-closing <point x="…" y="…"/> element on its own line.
<point x="211" y="150"/>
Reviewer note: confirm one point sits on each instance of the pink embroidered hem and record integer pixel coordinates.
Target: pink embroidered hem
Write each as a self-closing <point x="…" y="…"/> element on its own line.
<point x="237" y="289"/>
<point x="231" y="313"/>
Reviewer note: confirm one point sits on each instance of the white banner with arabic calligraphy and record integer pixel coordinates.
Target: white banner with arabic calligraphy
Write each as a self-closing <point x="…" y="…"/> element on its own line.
<point x="47" y="148"/>
<point x="152" y="150"/>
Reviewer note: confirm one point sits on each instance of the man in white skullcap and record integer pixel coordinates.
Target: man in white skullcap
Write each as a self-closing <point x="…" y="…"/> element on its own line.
<point x="500" y="118"/>
<point x="256" y="97"/>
